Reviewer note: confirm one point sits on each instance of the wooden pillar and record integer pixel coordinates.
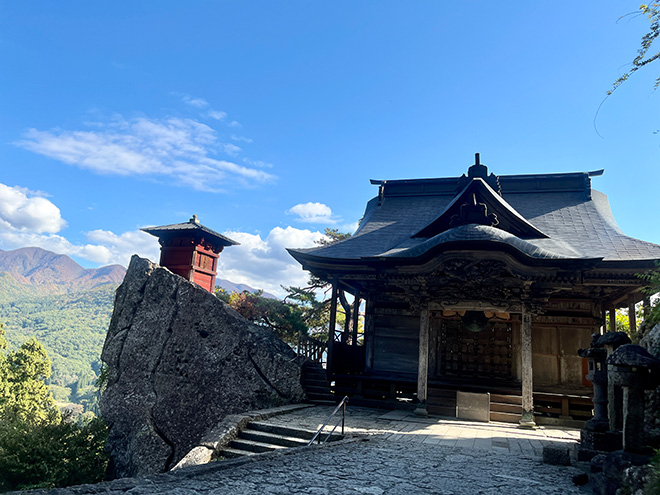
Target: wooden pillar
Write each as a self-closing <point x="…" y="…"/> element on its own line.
<point x="347" y="316"/>
<point x="527" y="419"/>
<point x="369" y="333"/>
<point x="423" y="369"/>
<point x="356" y="318"/>
<point x="331" y="327"/>
<point x="612" y="312"/>
<point x="632" y="317"/>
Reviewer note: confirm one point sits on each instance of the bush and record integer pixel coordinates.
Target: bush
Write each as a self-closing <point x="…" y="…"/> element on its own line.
<point x="51" y="455"/>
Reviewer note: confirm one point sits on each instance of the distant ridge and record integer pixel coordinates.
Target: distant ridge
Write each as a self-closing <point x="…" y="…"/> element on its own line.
<point x="230" y="286"/>
<point x="48" y="272"/>
<point x="45" y="270"/>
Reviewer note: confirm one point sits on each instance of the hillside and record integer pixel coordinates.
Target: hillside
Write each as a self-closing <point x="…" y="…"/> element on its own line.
<point x="43" y="272"/>
<point x="67" y="308"/>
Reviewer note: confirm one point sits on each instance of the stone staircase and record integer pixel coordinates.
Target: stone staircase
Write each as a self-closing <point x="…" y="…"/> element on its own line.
<point x="258" y="437"/>
<point x="315" y="382"/>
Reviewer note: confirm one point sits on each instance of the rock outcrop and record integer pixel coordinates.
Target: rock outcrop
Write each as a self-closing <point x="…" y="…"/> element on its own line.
<point x="651" y="341"/>
<point x="179" y="360"/>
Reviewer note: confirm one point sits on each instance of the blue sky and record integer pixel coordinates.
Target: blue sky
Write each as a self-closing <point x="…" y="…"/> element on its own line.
<point x="267" y="119"/>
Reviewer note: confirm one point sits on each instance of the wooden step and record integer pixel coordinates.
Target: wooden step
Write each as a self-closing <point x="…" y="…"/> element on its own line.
<point x="505" y="408"/>
<point x="504" y="417"/>
<point x="506" y="399"/>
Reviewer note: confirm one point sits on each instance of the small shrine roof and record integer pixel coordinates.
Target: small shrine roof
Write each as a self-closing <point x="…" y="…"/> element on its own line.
<point x="192" y="227"/>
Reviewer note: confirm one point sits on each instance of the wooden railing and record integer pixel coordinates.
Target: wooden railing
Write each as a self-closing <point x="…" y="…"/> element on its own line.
<point x="312" y="349"/>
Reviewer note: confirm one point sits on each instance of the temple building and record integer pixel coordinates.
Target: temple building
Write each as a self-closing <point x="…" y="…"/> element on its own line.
<point x="479" y="284"/>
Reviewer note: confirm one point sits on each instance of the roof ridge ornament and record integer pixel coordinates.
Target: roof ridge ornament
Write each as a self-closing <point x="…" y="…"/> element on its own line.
<point x="474" y="212"/>
<point x="479" y="171"/>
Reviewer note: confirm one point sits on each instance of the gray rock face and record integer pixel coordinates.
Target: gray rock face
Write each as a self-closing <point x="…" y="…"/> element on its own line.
<point x="179" y="361"/>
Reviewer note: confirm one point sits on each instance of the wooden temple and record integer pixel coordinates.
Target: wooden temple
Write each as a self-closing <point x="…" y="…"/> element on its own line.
<point x="479" y="284"/>
<point x="191" y="250"/>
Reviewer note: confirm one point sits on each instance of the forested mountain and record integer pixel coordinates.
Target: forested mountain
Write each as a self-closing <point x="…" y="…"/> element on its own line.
<point x="67" y="308"/>
<point x="46" y="272"/>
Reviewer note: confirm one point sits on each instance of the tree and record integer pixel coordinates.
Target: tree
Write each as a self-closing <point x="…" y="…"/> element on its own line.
<point x="38" y="446"/>
<point x="283" y="319"/>
<point x="301" y="312"/>
<point x="316" y="313"/>
<point x="644" y="57"/>
<point x="25" y="395"/>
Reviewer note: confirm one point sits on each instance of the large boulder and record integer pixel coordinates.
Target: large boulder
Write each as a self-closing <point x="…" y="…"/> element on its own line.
<point x="651" y="341"/>
<point x="180" y="360"/>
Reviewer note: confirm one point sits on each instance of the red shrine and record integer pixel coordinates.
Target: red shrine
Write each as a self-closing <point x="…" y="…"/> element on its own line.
<point x="191" y="250"/>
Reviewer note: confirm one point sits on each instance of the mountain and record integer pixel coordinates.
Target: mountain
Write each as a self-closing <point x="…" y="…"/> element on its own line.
<point x="230" y="286"/>
<point x="67" y="308"/>
<point x="47" y="272"/>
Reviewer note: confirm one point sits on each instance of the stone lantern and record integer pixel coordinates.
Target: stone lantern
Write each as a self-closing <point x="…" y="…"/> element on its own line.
<point x="594" y="437"/>
<point x="191" y="250"/>
<point x="612" y="341"/>
<point x="635" y="370"/>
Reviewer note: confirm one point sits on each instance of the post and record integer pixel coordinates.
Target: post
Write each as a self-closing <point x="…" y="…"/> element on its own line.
<point x="423" y="369"/>
<point x="369" y="333"/>
<point x="331" y="327"/>
<point x="527" y="419"/>
<point x="356" y="315"/>
<point x="632" y="317"/>
<point x="612" y="312"/>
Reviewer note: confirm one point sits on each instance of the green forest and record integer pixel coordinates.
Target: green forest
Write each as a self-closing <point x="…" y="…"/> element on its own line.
<point x="71" y="327"/>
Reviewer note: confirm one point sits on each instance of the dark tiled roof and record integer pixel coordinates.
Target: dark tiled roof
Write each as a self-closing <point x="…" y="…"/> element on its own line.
<point x="577" y="221"/>
<point x="193" y="227"/>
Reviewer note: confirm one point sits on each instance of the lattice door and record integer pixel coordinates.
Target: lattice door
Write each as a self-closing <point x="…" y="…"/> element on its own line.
<point x="462" y="353"/>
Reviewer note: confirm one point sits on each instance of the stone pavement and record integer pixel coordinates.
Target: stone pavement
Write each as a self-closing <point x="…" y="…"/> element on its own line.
<point x="394" y="454"/>
<point x="405" y="426"/>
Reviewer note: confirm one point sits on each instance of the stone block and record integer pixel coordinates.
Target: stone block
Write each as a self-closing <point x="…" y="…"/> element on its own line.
<point x="557" y="456"/>
<point x="475" y="407"/>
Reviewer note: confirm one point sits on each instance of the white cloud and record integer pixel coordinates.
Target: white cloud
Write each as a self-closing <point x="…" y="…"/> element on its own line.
<point x="107" y="249"/>
<point x="181" y="149"/>
<point x="241" y="138"/>
<point x="24" y="211"/>
<point x="217" y="114"/>
<point x="265" y="263"/>
<point x="233" y="123"/>
<point x="312" y="213"/>
<point x="231" y="149"/>
<point x="194" y="102"/>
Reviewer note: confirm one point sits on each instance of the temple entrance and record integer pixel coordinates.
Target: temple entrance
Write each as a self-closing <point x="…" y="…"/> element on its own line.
<point x="464" y="351"/>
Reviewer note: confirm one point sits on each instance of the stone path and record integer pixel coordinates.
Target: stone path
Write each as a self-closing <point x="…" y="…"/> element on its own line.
<point x="394" y="454"/>
<point x="405" y="426"/>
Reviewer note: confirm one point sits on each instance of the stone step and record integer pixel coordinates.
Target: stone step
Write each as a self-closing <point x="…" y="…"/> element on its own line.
<point x="308" y="382"/>
<point x="230" y="453"/>
<point x="317" y="387"/>
<point x="272" y="438"/>
<point x="284" y="431"/>
<point x="253" y="446"/>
